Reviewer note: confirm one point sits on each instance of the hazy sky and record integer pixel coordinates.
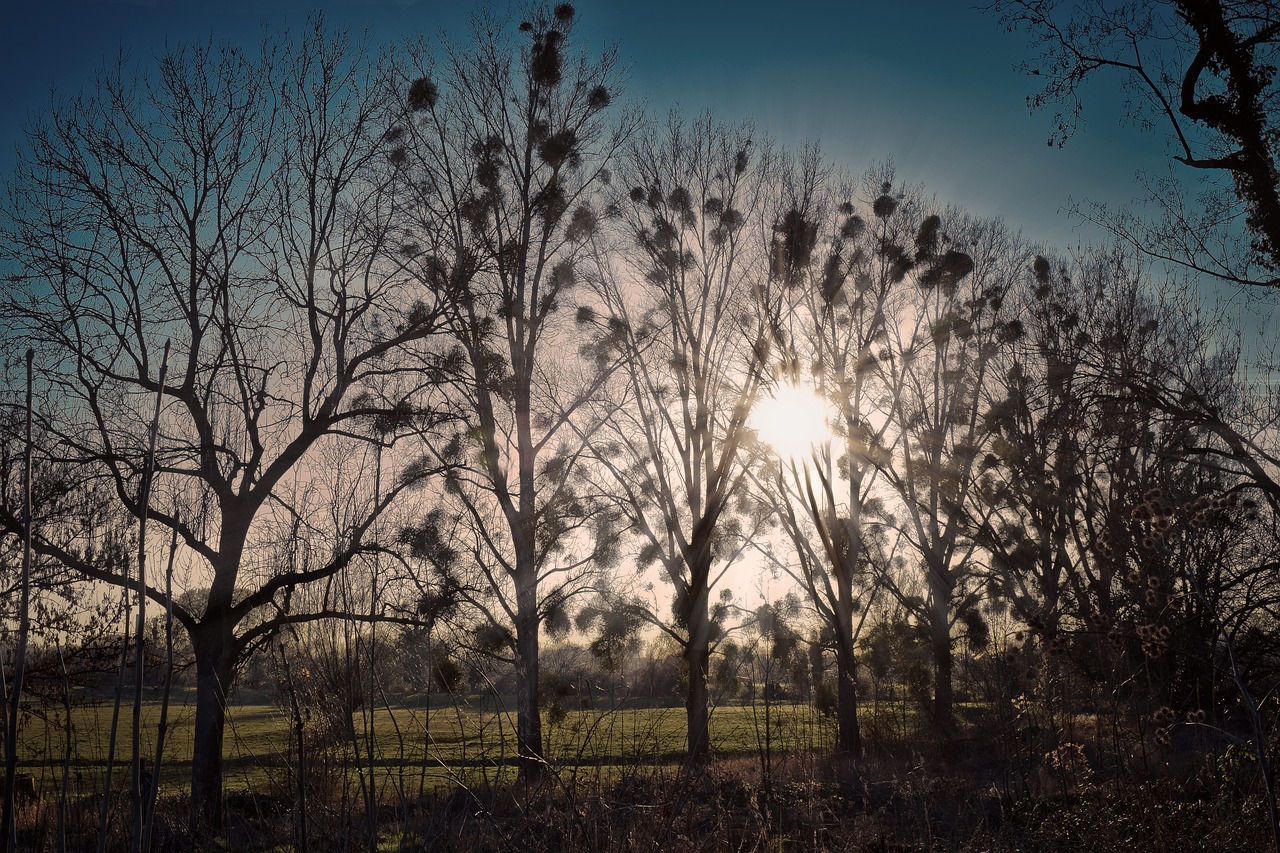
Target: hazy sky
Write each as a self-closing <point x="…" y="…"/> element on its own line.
<point x="930" y="84"/>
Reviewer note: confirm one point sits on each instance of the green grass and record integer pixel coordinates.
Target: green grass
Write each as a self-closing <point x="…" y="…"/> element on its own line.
<point x="616" y="784"/>
<point x="411" y="744"/>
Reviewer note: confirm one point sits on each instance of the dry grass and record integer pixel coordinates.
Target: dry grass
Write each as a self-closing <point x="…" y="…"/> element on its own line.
<point x="617" y="784"/>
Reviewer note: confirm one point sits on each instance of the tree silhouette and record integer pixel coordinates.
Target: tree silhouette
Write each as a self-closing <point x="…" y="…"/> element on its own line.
<point x="942" y="349"/>
<point x="1205" y="72"/>
<point x="836" y="314"/>
<point x="686" y="291"/>
<point x="234" y="205"/>
<point x="499" y="152"/>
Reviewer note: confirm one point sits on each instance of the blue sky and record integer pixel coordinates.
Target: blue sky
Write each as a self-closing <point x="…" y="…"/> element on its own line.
<point x="930" y="84"/>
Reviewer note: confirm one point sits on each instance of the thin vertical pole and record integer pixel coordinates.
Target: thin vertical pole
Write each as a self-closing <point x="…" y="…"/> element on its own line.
<point x="8" y="824"/>
<point x="154" y="789"/>
<point x="139" y="632"/>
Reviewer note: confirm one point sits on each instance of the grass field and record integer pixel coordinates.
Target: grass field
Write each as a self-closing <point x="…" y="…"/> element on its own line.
<point x="439" y="779"/>
<point x="442" y="744"/>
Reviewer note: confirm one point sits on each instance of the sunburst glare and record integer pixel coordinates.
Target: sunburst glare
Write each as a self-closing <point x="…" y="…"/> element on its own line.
<point x="793" y="419"/>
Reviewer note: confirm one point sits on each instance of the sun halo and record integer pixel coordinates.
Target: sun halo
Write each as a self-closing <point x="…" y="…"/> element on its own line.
<point x="793" y="420"/>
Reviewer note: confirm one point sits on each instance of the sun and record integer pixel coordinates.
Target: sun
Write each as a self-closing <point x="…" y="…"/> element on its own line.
<point x="793" y="419"/>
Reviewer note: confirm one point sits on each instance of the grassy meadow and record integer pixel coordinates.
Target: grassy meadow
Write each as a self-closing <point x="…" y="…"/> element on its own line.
<point x="419" y="777"/>
<point x="439" y="744"/>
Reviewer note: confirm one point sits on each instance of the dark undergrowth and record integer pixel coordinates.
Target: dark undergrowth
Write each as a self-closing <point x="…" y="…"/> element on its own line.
<point x="956" y="799"/>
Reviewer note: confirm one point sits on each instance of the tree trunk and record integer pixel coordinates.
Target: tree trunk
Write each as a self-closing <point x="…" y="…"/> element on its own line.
<point x="943" y="692"/>
<point x="940" y="634"/>
<point x="848" y="533"/>
<point x="848" y="735"/>
<point x="528" y="719"/>
<point x="698" y="656"/>
<point x="9" y="827"/>
<point x="215" y="665"/>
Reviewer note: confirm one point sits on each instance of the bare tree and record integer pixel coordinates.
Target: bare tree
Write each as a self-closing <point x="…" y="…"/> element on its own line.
<point x="1182" y="505"/>
<point x="941" y="349"/>
<point x="8" y="826"/>
<point x="1038" y="466"/>
<point x="1205" y="72"/>
<point x="502" y="146"/>
<point x="1069" y="446"/>
<point x="684" y="285"/>
<point x="839" y="301"/>
<point x="234" y="204"/>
